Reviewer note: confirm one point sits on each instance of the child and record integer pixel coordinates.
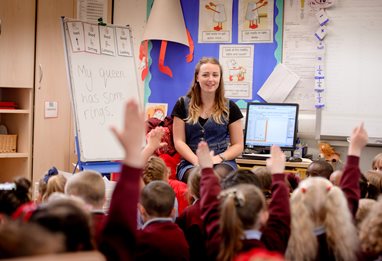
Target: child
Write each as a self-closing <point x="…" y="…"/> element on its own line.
<point x="377" y="162"/>
<point x="156" y="169"/>
<point x="190" y="220"/>
<point x="67" y="216"/>
<point x="371" y="232"/>
<point x="240" y="176"/>
<point x="322" y="225"/>
<point x="90" y="187"/>
<point x="319" y="168"/>
<point x="243" y="211"/>
<point x="13" y="195"/>
<point x="120" y="238"/>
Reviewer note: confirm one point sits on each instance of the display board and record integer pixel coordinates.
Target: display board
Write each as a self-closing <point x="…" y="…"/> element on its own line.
<point x="353" y="63"/>
<point x="102" y="76"/>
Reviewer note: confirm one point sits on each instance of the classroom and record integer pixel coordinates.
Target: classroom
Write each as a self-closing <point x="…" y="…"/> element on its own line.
<point x="67" y="69"/>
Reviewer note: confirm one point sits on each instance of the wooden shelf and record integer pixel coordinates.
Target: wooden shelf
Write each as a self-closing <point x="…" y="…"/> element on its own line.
<point x="17" y="111"/>
<point x="14" y="155"/>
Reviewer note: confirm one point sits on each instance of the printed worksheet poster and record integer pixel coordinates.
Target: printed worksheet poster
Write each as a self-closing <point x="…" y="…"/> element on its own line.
<point x="92" y="44"/>
<point x="215" y="21"/>
<point x="237" y="63"/>
<point x="255" y="21"/>
<point x="107" y="40"/>
<point x="76" y="34"/>
<point x="299" y="50"/>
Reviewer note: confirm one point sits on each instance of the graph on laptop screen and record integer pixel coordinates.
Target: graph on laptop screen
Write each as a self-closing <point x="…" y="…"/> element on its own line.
<point x="270" y="123"/>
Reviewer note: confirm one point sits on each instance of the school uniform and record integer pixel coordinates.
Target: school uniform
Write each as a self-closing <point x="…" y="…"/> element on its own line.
<point x="180" y="189"/>
<point x="161" y="239"/>
<point x="191" y="223"/>
<point x="121" y="240"/>
<point x="98" y="224"/>
<point x="274" y="236"/>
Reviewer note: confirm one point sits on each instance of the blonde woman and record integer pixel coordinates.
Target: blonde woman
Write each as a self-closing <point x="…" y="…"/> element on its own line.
<point x="204" y="114"/>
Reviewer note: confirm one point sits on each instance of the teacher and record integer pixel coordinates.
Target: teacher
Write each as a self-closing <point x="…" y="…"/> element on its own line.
<point x="204" y="114"/>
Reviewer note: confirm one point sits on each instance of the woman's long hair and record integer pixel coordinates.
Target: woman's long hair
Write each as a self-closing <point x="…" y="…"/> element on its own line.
<point x="220" y="108"/>
<point x="316" y="202"/>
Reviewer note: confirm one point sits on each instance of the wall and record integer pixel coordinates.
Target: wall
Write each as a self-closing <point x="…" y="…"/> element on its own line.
<point x="133" y="12"/>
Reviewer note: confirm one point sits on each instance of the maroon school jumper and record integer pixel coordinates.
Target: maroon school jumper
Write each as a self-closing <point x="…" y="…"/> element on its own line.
<point x="120" y="238"/>
<point x="276" y="232"/>
<point x="190" y="221"/>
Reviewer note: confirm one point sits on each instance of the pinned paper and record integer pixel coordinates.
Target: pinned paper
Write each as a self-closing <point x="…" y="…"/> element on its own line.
<point x="76" y="35"/>
<point x="321" y="33"/>
<point x="322" y="17"/>
<point x="107" y="40"/>
<point x="319" y="84"/>
<point x="279" y="84"/>
<point x="91" y="38"/>
<point x="123" y="41"/>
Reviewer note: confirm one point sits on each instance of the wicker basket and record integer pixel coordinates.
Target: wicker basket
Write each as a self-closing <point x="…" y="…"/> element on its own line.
<point x="8" y="143"/>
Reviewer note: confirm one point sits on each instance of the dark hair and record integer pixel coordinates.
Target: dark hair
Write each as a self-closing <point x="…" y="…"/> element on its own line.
<point x="373" y="184"/>
<point x="66" y="216"/>
<point x="158" y="198"/>
<point x="319" y="168"/>
<point x="240" y="176"/>
<point x="27" y="239"/>
<point x="13" y="195"/>
<point x="265" y="178"/>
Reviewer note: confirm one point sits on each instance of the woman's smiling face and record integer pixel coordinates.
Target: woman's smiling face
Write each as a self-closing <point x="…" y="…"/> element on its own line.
<point x="209" y="77"/>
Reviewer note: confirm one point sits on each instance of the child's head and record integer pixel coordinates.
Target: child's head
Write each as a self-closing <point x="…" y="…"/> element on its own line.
<point x="13" y="195"/>
<point x="371" y="230"/>
<point x="317" y="203"/>
<point x="374" y="179"/>
<point x="242" y="207"/>
<point x="377" y="162"/>
<point x="193" y="183"/>
<point x="319" y="168"/>
<point x="88" y="185"/>
<point x="155" y="169"/>
<point x="335" y="177"/>
<point x="157" y="200"/>
<point x="240" y="176"/>
<point x="69" y="217"/>
<point x="364" y="207"/>
<point x="55" y="184"/>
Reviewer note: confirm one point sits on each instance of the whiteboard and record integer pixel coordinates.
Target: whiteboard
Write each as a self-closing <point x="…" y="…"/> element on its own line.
<point x="102" y="76"/>
<point x="353" y="68"/>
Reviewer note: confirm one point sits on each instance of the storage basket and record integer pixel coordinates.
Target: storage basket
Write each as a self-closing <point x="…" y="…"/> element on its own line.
<point x="8" y="143"/>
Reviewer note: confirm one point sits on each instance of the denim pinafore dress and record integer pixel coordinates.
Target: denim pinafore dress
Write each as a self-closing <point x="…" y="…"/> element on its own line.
<point x="216" y="135"/>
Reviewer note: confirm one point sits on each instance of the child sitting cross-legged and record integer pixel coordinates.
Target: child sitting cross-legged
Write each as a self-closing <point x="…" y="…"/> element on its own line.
<point x="160" y="238"/>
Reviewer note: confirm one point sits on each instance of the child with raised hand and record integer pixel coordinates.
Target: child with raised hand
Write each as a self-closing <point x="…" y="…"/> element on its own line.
<point x="120" y="239"/>
<point x="240" y="220"/>
<point x="323" y="214"/>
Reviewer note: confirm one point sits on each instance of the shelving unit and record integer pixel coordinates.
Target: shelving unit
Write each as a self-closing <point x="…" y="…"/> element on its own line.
<point x="17" y="50"/>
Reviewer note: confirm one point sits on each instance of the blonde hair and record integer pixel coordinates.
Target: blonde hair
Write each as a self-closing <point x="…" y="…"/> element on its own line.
<point x="220" y="108"/>
<point x="155" y="169"/>
<point x="316" y="202"/>
<point x="240" y="209"/>
<point x="364" y="207"/>
<point x="371" y="230"/>
<point x="88" y="185"/>
<point x="193" y="183"/>
<point x="55" y="184"/>
<point x="377" y="161"/>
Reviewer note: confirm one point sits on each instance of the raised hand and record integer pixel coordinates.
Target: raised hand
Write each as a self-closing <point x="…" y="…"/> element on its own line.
<point x="358" y="140"/>
<point x="204" y="155"/>
<point x="154" y="138"/>
<point x="276" y="163"/>
<point x="132" y="135"/>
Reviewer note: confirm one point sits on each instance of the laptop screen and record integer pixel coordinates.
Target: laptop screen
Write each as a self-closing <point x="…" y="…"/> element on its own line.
<point x="271" y="123"/>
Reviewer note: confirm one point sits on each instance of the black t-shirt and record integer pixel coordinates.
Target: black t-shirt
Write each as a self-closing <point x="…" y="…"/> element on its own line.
<point x="180" y="112"/>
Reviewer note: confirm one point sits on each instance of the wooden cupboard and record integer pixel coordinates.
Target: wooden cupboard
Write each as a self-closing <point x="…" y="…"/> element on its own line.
<point x="17" y="45"/>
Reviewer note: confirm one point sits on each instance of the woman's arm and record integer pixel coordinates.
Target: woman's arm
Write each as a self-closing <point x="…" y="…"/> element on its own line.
<point x="179" y="134"/>
<point x="237" y="142"/>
